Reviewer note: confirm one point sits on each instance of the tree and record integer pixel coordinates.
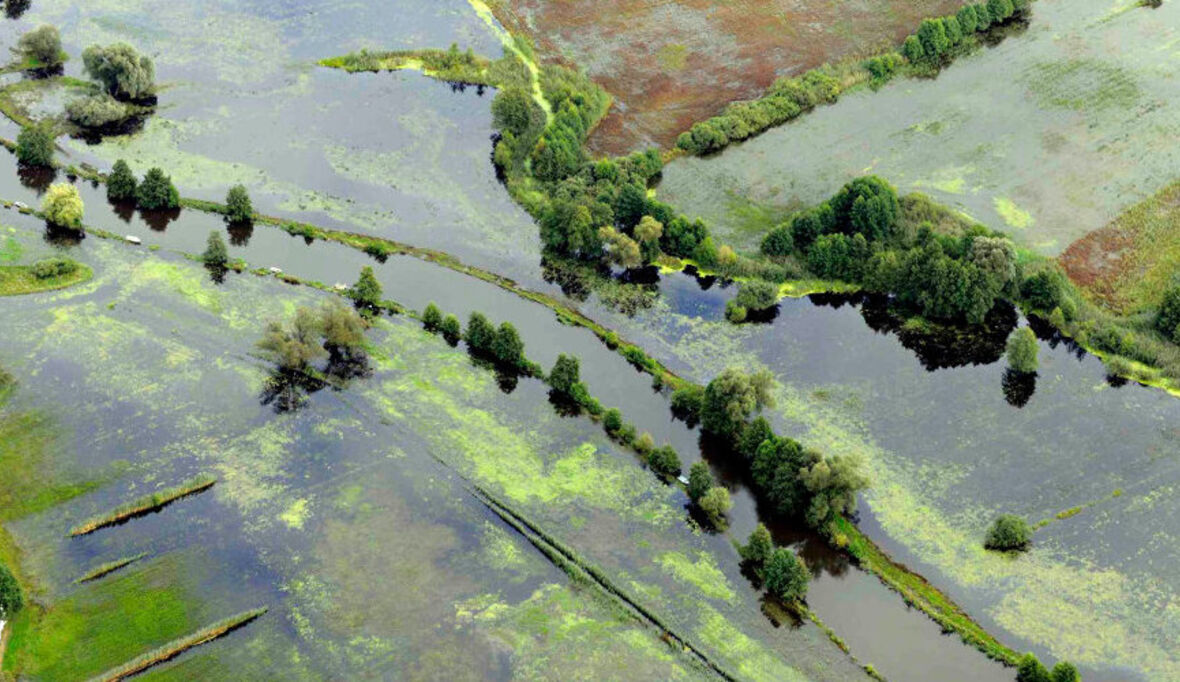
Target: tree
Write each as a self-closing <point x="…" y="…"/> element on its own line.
<point x="1008" y="533"/>
<point x="239" y="208"/>
<point x="967" y="20"/>
<point x="867" y="205"/>
<point x="612" y="420"/>
<point x="34" y="145"/>
<point x="954" y="32"/>
<point x="753" y="435"/>
<point x="514" y="111"/>
<point x="1000" y="10"/>
<point x="935" y="43"/>
<point x="11" y="598"/>
<point x="996" y="258"/>
<point x="62" y="206"/>
<point x="157" y="191"/>
<point x="344" y="337"/>
<point x="366" y="293"/>
<point x="913" y="51"/>
<point x="833" y="483"/>
<point x="786" y="575"/>
<point x="758" y="548"/>
<point x="699" y="481"/>
<point x="1030" y="669"/>
<point x="648" y="233"/>
<point x="664" y="461"/>
<point x="122" y="71"/>
<point x="42" y="46"/>
<point x="480" y="333"/>
<point x="215" y="252"/>
<point x="779" y="241"/>
<point x="1065" y="671"/>
<point x="451" y="330"/>
<point x="507" y="347"/>
<point x="686" y="402"/>
<point x="1167" y="321"/>
<point x="293" y="347"/>
<point x="731" y="398"/>
<point x="1043" y="290"/>
<point x="121" y="182"/>
<point x="97" y="111"/>
<point x="715" y="503"/>
<point x="630" y="206"/>
<point x="623" y="250"/>
<point x="1022" y="351"/>
<point x="983" y="18"/>
<point x="565" y="374"/>
<point x="431" y="317"/>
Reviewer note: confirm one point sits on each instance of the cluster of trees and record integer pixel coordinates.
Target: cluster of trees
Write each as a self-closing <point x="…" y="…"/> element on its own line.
<point x="62" y="206"/>
<point x="860" y="236"/>
<point x="754" y="295"/>
<point x="794" y="480"/>
<point x="41" y="48"/>
<point x="937" y="39"/>
<point x="501" y="345"/>
<point x="1030" y="669"/>
<point x="434" y="321"/>
<point x="334" y="335"/>
<point x="127" y="79"/>
<point x="155" y="191"/>
<point x="782" y="571"/>
<point x="1008" y="533"/>
<point x="787" y="98"/>
<point x="712" y="499"/>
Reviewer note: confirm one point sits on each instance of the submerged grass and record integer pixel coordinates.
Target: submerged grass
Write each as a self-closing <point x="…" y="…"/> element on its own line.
<point x="177" y="647"/>
<point x="145" y="504"/>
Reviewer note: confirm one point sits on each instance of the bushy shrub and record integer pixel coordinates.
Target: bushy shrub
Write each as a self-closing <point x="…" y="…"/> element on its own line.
<point x="366" y="293"/>
<point x="612" y="420"/>
<point x="566" y="373"/>
<point x="758" y="548"/>
<point x="11" y="598"/>
<point x="43" y="46"/>
<point x="1030" y="669"/>
<point x="53" y="267"/>
<point x="216" y="253"/>
<point x="62" y="206"/>
<point x="715" y="503"/>
<point x="757" y="295"/>
<point x="700" y="479"/>
<point x="1008" y="533"/>
<point x="686" y="402"/>
<point x="34" y="145"/>
<point x="451" y="330"/>
<point x="97" y="111"/>
<point x="431" y="317"/>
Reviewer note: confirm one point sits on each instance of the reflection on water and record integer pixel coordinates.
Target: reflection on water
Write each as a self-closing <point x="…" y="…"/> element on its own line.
<point x="62" y="237"/>
<point x="240" y="233"/>
<point x="1018" y="387"/>
<point x="158" y="219"/>
<point x="36" y="178"/>
<point x="13" y="9"/>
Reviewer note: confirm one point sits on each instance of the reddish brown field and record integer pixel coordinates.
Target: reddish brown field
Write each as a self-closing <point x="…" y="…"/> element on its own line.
<point x="1128" y="264"/>
<point x="670" y="63"/>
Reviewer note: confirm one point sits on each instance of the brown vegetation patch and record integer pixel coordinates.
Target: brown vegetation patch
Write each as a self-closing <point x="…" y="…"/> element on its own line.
<point x="670" y="63"/>
<point x="1126" y="265"/>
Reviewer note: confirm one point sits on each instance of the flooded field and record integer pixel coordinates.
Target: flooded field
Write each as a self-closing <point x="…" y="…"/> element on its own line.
<point x="372" y="523"/>
<point x="1046" y="136"/>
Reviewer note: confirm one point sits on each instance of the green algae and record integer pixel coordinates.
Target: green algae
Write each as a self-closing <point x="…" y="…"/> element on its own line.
<point x="562" y="631"/>
<point x="753" y="661"/>
<point x="1013" y="215"/>
<point x="701" y="573"/>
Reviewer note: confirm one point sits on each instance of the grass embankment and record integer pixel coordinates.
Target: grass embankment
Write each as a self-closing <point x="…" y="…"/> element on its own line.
<point x="179" y="646"/>
<point x="108" y="568"/>
<point x="16" y="280"/>
<point x="920" y="594"/>
<point x="145" y="504"/>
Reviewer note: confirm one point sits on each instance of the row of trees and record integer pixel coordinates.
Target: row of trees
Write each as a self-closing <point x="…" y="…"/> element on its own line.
<point x="937" y="40"/>
<point x="156" y="191"/>
<point x="794" y="480"/>
<point x="787" y="99"/>
<point x="1030" y="669"/>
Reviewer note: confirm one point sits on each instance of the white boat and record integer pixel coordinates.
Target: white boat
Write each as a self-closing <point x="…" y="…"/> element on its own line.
<point x="132" y="239"/>
<point x="277" y="271"/>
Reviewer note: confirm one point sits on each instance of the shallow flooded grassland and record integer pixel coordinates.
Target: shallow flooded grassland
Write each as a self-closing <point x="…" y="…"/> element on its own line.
<point x="391" y="154"/>
<point x="1048" y="135"/>
<point x="353" y="519"/>
<point x="949" y="445"/>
